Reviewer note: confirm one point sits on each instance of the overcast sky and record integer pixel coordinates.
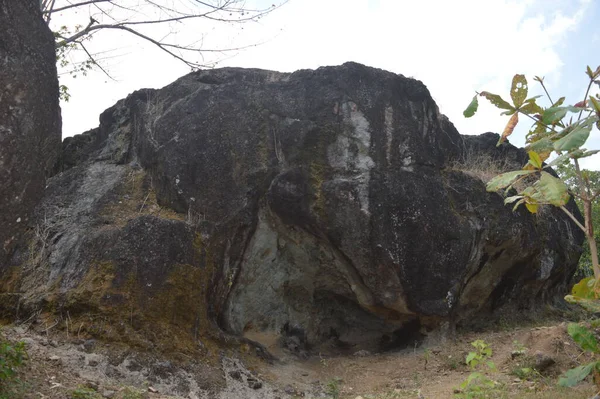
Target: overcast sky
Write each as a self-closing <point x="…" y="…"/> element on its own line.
<point x="455" y="47"/>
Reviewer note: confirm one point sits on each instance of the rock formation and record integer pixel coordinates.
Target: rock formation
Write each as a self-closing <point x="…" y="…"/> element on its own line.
<point x="29" y="116"/>
<point x="332" y="207"/>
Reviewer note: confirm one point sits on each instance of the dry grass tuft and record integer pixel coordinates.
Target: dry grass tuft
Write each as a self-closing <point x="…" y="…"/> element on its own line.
<point x="482" y="166"/>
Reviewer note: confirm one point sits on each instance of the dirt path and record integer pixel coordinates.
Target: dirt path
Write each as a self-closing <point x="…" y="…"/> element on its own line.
<point x="61" y="368"/>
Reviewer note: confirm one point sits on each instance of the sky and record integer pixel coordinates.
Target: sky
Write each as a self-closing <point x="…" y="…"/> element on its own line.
<point x="455" y="47"/>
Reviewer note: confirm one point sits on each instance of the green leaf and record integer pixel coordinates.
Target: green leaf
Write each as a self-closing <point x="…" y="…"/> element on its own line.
<point x="470" y="357"/>
<point x="530" y="107"/>
<point x="496" y="100"/>
<point x="584" y="154"/>
<point x="572" y="377"/>
<point x="583" y="336"/>
<point x="542" y="145"/>
<point x="486" y="351"/>
<point x="589" y="72"/>
<point x="472" y="108"/>
<point x="559" y="102"/>
<point x="518" y="90"/>
<point x="584" y="288"/>
<point x="534" y="159"/>
<point x="560" y="159"/>
<point x="533" y="208"/>
<point x="595" y="104"/>
<point x="553" y="190"/>
<point x="553" y="114"/>
<point x="574" y="139"/>
<point x="506" y="179"/>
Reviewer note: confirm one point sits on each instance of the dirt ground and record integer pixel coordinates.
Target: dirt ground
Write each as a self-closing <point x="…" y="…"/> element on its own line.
<point x="71" y="368"/>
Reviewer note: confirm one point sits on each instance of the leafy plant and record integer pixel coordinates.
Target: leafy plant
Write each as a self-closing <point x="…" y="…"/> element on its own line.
<point x="568" y="174"/>
<point x="333" y="388"/>
<point x="482" y="352"/>
<point x="520" y="349"/>
<point x="478" y="384"/>
<point x="550" y="134"/>
<point x="585" y="338"/>
<point x="553" y="133"/>
<point x="12" y="356"/>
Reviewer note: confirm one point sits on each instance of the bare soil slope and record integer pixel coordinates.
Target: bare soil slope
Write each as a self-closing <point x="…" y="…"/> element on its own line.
<point x="64" y="367"/>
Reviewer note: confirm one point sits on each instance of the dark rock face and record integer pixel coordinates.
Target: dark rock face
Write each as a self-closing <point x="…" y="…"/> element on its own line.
<point x="29" y="116"/>
<point x="325" y="206"/>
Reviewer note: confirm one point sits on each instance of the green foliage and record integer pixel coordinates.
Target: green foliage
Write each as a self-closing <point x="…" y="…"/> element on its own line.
<point x="575" y="375"/>
<point x="552" y="133"/>
<point x="472" y="108"/>
<point x="525" y="373"/>
<point x="518" y="90"/>
<point x="64" y="60"/>
<point x="482" y="353"/>
<point x="12" y="356"/>
<point x="586" y="339"/>
<point x="478" y="384"/>
<point x="568" y="174"/>
<point x="333" y="388"/>
<point x="519" y="348"/>
<point x="506" y="179"/>
<point x="585" y="294"/>
<point x="85" y="393"/>
<point x="548" y="134"/>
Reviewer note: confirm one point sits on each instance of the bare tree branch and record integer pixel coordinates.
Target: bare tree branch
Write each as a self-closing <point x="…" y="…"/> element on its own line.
<point x="51" y="10"/>
<point x="93" y="60"/>
<point x="159" y="16"/>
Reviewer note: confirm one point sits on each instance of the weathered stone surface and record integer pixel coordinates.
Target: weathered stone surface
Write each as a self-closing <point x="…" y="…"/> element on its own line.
<point x="325" y="206"/>
<point x="29" y="116"/>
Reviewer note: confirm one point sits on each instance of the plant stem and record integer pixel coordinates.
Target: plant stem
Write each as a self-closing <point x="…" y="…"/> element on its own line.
<point x="586" y="96"/>
<point x="594" y="256"/>
<point x="573" y="218"/>
<point x="546" y="91"/>
<point x="586" y="198"/>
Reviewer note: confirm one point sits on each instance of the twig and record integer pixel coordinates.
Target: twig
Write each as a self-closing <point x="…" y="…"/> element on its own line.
<point x="51" y="327"/>
<point x="74" y="5"/>
<point x="144" y="203"/>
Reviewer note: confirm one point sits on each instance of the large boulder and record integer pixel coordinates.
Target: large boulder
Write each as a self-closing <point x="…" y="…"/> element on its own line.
<point x="334" y="206"/>
<point x="29" y="116"/>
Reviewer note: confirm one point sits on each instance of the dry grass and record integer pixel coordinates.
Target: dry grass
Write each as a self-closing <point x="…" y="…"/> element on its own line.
<point x="482" y="166"/>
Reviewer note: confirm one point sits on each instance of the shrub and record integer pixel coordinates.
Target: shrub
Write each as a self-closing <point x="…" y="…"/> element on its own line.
<point x="12" y="356"/>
